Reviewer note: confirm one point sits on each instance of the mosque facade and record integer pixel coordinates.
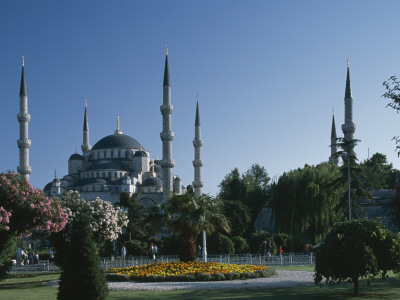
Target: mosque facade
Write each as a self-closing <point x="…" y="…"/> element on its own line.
<point x="117" y="163"/>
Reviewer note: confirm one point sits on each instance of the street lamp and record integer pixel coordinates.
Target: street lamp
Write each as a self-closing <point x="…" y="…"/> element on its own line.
<point x="348" y="175"/>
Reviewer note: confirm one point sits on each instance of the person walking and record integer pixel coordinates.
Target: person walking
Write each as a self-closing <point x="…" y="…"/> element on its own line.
<point x="123" y="252"/>
<point x="154" y="252"/>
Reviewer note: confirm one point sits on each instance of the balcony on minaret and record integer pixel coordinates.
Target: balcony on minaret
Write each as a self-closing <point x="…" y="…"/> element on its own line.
<point x="24" y="143"/>
<point x="23" y="118"/>
<point x="197" y="163"/>
<point x="167" y="135"/>
<point x="166" y="109"/>
<point x="24" y="169"/>
<point x="197" y="184"/>
<point x="197" y="143"/>
<point x="167" y="163"/>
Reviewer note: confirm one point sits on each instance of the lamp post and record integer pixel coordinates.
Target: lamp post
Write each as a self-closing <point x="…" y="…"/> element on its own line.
<point x="348" y="175"/>
<point x="204" y="247"/>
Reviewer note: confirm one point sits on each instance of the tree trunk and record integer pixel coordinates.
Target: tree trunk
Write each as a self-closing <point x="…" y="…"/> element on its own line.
<point x="356" y="287"/>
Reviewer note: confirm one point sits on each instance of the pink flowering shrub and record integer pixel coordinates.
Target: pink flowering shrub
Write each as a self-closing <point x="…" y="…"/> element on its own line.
<point x="24" y="208"/>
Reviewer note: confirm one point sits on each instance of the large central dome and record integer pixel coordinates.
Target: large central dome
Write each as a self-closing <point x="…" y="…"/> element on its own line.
<point x="117" y="141"/>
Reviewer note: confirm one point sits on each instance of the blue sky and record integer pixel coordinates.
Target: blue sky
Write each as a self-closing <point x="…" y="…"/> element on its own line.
<point x="268" y="74"/>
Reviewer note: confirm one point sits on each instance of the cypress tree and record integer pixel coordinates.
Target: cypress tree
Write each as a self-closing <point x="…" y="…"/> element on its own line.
<point x="82" y="276"/>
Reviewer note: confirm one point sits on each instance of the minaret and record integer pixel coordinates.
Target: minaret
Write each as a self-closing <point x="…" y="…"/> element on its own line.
<point x="333" y="146"/>
<point x="23" y="118"/>
<point x="348" y="127"/>
<point x="167" y="135"/>
<point x="85" y="146"/>
<point x="197" y="163"/>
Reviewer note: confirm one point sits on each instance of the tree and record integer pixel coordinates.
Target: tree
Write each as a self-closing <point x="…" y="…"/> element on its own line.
<point x="220" y="244"/>
<point x="186" y="216"/>
<point x="357" y="191"/>
<point x="233" y="187"/>
<point x="305" y="202"/>
<point x="392" y="86"/>
<point x="23" y="209"/>
<point x="82" y="276"/>
<point x="378" y="173"/>
<point x="251" y="188"/>
<point x="357" y="248"/>
<point x="239" y="217"/>
<point x="138" y="231"/>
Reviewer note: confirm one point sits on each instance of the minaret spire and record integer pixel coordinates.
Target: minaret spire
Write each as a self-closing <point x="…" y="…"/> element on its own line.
<point x="85" y="145"/>
<point x="23" y="118"/>
<point x="167" y="163"/>
<point x="348" y="127"/>
<point x="118" y="131"/>
<point x="197" y="162"/>
<point x="333" y="146"/>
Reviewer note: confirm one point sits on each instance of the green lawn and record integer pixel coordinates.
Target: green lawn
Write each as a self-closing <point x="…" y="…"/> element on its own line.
<point x="34" y="288"/>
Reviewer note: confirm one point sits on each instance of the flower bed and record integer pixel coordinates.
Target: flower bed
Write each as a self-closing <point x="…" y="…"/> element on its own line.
<point x="189" y="271"/>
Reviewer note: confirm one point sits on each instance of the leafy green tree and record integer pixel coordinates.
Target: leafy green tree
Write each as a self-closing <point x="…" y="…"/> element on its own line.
<point x="218" y="243"/>
<point x="233" y="187"/>
<point x="186" y="216"/>
<point x="305" y="202"/>
<point x="238" y="215"/>
<point x="82" y="276"/>
<point x="378" y="173"/>
<point x="240" y="245"/>
<point x="350" y="164"/>
<point x="251" y="188"/>
<point x="138" y="231"/>
<point x="392" y="86"/>
<point x="256" y="240"/>
<point x="357" y="248"/>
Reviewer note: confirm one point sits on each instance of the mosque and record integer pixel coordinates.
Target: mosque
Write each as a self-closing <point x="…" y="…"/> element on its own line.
<point x="117" y="163"/>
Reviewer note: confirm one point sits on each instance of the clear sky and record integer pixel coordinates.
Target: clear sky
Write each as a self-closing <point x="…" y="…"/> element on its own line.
<point x="268" y="74"/>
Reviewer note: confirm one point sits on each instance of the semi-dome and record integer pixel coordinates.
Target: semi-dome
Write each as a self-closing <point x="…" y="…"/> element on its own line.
<point x="117" y="141"/>
<point x="152" y="181"/>
<point x="76" y="156"/>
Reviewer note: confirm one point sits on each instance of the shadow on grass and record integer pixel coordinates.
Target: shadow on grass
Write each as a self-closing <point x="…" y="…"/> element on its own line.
<point x="389" y="289"/>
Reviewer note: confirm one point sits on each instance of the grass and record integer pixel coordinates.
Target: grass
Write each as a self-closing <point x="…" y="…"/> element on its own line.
<point x="34" y="288"/>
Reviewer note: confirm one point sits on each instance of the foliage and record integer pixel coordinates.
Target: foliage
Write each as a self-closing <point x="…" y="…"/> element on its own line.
<point x="138" y="231"/>
<point x="220" y="244"/>
<point x="186" y="216"/>
<point x="256" y="240"/>
<point x="82" y="276"/>
<point x="284" y="240"/>
<point x="351" y="166"/>
<point x="240" y="245"/>
<point x="106" y="220"/>
<point x="174" y="271"/>
<point x="357" y="248"/>
<point x="305" y="202"/>
<point x="238" y="215"/>
<point x="23" y="209"/>
<point x="251" y="188"/>
<point x="378" y="173"/>
<point x="392" y="86"/>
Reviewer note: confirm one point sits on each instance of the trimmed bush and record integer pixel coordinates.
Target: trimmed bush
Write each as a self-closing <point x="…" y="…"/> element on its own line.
<point x="240" y="245"/>
<point x="219" y="243"/>
<point x="82" y="276"/>
<point x="218" y="277"/>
